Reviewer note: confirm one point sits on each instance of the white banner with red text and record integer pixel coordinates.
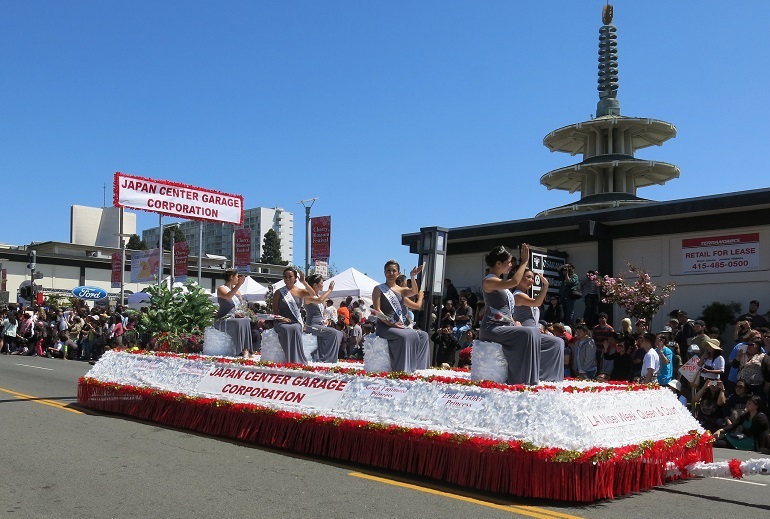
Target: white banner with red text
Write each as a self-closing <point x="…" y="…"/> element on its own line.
<point x="175" y="199"/>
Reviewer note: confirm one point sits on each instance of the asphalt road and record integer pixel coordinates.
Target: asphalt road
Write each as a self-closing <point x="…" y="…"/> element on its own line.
<point x="61" y="461"/>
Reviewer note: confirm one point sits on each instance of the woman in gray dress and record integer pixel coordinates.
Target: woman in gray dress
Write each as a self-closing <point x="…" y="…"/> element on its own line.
<point x="408" y="348"/>
<point x="527" y="312"/>
<point x="329" y="339"/>
<point x="521" y="344"/>
<point x="289" y="322"/>
<point x="230" y="318"/>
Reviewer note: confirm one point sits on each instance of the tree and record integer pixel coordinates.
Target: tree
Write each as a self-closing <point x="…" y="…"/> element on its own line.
<point x="178" y="236"/>
<point x="135" y="243"/>
<point x="640" y="299"/>
<point x="271" y="249"/>
<point x="720" y="314"/>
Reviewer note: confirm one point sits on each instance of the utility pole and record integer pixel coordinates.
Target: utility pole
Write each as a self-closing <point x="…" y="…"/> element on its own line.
<point x="307" y="204"/>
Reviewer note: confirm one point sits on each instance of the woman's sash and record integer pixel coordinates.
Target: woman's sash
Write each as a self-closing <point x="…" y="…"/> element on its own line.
<point x="292" y="304"/>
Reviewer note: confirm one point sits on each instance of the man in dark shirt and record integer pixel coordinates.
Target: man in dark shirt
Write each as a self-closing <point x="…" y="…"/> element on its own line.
<point x="756" y="320"/>
<point x="450" y="292"/>
<point x="686" y="330"/>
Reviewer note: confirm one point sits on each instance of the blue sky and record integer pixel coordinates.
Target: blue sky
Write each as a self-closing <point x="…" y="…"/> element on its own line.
<point x="396" y="115"/>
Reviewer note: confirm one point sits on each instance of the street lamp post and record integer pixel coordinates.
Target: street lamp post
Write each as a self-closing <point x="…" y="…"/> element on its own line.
<point x="307" y="204"/>
<point x="122" y="237"/>
<point x="172" y="276"/>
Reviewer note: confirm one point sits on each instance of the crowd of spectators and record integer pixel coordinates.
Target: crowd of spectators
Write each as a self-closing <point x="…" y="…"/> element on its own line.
<point x="727" y="388"/>
<point x="72" y="333"/>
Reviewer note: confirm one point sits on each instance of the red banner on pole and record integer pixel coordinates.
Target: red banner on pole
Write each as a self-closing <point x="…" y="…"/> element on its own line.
<point x="320" y="237"/>
<point x="243" y="250"/>
<point x="181" y="255"/>
<point x="117" y="273"/>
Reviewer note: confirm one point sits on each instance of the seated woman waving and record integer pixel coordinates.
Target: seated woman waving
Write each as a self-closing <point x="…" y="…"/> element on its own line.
<point x="329" y="339"/>
<point x="230" y="317"/>
<point x="289" y="325"/>
<point x="408" y="348"/>
<point x="409" y="305"/>
<point x="527" y="311"/>
<point x="521" y="344"/>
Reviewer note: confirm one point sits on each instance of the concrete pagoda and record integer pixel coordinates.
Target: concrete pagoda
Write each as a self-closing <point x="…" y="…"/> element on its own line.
<point x="609" y="174"/>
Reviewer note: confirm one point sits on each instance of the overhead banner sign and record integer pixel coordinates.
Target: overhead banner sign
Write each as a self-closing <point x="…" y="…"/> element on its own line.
<point x="181" y="257"/>
<point x="320" y="237"/>
<point x="243" y="250"/>
<point x="117" y="272"/>
<point x="178" y="200"/>
<point x="144" y="265"/>
<point x="719" y="254"/>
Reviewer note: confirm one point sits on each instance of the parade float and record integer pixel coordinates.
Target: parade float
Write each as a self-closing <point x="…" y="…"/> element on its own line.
<point x="575" y="441"/>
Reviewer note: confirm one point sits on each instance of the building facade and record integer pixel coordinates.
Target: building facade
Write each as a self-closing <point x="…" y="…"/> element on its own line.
<point x="99" y="226"/>
<point x="218" y="238"/>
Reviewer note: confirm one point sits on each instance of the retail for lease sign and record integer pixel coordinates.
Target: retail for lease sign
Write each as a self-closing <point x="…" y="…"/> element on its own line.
<point x="718" y="254"/>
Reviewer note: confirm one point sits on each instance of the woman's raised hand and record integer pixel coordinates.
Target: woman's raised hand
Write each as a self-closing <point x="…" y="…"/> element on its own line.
<point x="331" y="285"/>
<point x="416" y="270"/>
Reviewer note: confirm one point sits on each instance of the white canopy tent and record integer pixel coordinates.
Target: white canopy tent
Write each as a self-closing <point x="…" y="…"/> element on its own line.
<point x="251" y="290"/>
<point x="349" y="282"/>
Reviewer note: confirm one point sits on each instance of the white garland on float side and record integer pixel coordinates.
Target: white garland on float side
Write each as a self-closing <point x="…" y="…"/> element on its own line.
<point x="721" y="469"/>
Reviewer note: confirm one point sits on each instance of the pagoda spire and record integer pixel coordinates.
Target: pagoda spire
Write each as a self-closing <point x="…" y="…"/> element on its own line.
<point x="608" y="66"/>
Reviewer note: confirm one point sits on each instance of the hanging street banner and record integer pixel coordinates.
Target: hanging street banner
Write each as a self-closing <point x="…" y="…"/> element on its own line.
<point x="243" y="250"/>
<point x="144" y="265"/>
<point x="117" y="273"/>
<point x="320" y="237"/>
<point x="175" y="199"/>
<point x="181" y="256"/>
<point x="719" y="254"/>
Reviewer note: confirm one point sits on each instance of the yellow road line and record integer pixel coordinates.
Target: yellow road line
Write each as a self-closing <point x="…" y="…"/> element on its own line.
<point x="530" y="511"/>
<point x="51" y="403"/>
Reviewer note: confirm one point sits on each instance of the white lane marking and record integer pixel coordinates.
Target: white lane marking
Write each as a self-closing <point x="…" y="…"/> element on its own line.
<point x="741" y="481"/>
<point x="36" y="367"/>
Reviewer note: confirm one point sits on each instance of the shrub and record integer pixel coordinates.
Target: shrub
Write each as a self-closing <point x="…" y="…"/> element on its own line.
<point x="177" y="315"/>
<point x="720" y="314"/>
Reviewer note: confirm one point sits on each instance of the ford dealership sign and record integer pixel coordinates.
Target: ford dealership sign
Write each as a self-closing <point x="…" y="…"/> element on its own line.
<point x="90" y="293"/>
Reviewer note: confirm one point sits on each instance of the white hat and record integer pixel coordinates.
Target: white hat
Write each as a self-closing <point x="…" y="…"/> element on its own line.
<point x="675" y="384"/>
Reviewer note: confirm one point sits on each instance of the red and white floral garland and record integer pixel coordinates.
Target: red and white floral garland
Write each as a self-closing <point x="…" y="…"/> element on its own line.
<point x="734" y="468"/>
<point x="399" y="375"/>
